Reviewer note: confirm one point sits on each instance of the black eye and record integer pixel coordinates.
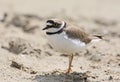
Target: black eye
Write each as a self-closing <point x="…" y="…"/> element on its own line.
<point x="56" y="24"/>
<point x="50" y="21"/>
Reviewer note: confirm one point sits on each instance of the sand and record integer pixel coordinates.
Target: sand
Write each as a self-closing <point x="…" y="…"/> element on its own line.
<point x="26" y="56"/>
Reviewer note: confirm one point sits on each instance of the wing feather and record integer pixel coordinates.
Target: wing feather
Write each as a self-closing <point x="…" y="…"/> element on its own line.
<point x="77" y="33"/>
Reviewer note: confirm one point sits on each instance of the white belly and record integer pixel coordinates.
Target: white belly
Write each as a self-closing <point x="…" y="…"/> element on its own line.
<point x="62" y="43"/>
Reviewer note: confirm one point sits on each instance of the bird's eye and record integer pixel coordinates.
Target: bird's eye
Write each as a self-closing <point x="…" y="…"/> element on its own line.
<point x="55" y="24"/>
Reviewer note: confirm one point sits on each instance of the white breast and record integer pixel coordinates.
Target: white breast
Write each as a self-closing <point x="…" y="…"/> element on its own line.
<point x="62" y="43"/>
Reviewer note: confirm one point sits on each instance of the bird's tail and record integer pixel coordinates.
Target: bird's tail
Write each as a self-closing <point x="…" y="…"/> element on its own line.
<point x="96" y="38"/>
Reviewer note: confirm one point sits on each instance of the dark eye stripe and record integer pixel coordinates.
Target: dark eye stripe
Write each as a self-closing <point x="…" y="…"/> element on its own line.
<point x="50" y="21"/>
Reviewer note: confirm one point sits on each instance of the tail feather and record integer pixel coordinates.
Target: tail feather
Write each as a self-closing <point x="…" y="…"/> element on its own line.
<point x="96" y="38"/>
<point x="99" y="36"/>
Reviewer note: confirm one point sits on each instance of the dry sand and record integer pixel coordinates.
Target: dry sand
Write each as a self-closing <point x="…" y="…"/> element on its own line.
<point x="26" y="56"/>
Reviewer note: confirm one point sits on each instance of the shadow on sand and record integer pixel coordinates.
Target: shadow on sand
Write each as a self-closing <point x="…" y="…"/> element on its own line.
<point x="55" y="77"/>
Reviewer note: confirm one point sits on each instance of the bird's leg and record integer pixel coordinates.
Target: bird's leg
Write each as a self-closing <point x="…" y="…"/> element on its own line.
<point x="70" y="63"/>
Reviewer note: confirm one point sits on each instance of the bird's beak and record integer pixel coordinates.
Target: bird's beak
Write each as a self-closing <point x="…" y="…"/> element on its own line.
<point x="45" y="28"/>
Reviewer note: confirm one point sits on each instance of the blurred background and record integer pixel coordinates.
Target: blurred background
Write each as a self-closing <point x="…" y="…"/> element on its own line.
<point x="26" y="56"/>
<point x="92" y="8"/>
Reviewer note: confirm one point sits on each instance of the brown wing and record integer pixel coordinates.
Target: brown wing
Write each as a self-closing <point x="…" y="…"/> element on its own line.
<point x="77" y="33"/>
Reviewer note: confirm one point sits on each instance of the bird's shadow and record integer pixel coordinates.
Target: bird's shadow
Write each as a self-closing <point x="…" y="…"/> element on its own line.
<point x="62" y="77"/>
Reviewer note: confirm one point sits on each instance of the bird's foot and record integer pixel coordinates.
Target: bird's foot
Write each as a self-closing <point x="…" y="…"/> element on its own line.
<point x="68" y="71"/>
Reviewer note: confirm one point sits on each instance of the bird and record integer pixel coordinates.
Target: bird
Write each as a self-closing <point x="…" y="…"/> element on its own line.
<point x="68" y="38"/>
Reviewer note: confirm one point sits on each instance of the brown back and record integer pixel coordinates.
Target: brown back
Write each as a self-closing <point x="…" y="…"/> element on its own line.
<point x="77" y="33"/>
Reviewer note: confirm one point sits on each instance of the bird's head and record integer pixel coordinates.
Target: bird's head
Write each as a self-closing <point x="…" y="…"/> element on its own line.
<point x="54" y="25"/>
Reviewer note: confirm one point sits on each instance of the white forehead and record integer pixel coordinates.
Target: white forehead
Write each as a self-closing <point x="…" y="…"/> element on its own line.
<point x="48" y="23"/>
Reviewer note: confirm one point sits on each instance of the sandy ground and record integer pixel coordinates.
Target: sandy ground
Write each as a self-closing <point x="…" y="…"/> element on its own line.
<point x="26" y="56"/>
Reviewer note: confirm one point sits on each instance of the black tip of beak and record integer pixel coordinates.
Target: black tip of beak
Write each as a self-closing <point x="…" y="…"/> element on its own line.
<point x="44" y="28"/>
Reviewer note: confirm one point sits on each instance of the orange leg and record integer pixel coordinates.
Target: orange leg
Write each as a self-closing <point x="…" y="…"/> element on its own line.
<point x="70" y="63"/>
